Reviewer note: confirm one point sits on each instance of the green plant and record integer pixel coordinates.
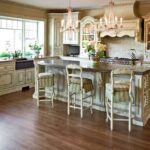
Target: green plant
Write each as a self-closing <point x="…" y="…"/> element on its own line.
<point x="16" y="53"/>
<point x="5" y="54"/>
<point x="90" y="48"/>
<point x="36" y="47"/>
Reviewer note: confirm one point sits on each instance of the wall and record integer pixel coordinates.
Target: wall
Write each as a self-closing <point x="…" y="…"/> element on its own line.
<point x="141" y="8"/>
<point x="23" y="11"/>
<point x="120" y="47"/>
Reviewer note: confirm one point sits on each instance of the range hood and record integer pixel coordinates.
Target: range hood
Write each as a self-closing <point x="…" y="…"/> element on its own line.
<point x="131" y="23"/>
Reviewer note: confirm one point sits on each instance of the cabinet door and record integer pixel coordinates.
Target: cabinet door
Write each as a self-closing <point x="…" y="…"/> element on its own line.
<point x="29" y="76"/>
<point x="6" y="80"/>
<point x="20" y="77"/>
<point x="57" y="38"/>
<point x="54" y="35"/>
<point x="147" y="37"/>
<point x="87" y="33"/>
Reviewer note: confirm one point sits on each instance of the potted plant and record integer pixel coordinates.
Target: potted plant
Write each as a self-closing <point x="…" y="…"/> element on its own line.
<point x="36" y="47"/>
<point x="16" y="54"/>
<point x="90" y="48"/>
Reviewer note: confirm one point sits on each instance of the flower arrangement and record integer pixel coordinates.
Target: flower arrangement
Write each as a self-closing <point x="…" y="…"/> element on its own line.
<point x="96" y="49"/>
<point x="100" y="50"/>
<point x="36" y="47"/>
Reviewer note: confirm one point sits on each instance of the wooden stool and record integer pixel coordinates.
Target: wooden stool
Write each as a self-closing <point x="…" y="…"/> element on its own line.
<point x="78" y="85"/>
<point x="45" y="80"/>
<point x="119" y="91"/>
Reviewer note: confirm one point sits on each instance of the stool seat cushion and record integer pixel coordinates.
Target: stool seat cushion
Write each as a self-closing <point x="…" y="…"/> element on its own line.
<point x="46" y="79"/>
<point x="44" y="74"/>
<point x="75" y="86"/>
<point x="120" y="92"/>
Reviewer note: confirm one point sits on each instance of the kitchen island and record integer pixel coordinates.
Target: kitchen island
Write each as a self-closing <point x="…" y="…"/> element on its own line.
<point x="100" y="74"/>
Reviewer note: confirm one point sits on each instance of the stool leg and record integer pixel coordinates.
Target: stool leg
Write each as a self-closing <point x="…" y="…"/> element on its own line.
<point x="106" y="104"/>
<point x="68" y="110"/>
<point x="111" y="121"/>
<point x="81" y="107"/>
<point x="74" y="102"/>
<point x="52" y="99"/>
<point x="130" y="116"/>
<point x="53" y="94"/>
<point x="91" y="104"/>
<point x="38" y="93"/>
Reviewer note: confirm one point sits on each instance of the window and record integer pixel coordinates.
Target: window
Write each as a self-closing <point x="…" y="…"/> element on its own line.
<point x="17" y="34"/>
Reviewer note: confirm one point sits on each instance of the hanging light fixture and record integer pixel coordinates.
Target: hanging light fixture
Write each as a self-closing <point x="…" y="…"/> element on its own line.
<point x="69" y="24"/>
<point x="110" y="22"/>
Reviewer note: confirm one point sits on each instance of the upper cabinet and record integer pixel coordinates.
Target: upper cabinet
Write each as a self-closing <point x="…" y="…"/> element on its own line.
<point x="147" y="32"/>
<point x="70" y="36"/>
<point x="147" y="37"/>
<point x="87" y="33"/>
<point x="55" y="42"/>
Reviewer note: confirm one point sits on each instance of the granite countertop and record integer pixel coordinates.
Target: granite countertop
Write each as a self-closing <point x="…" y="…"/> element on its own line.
<point x="93" y="66"/>
<point x="6" y="60"/>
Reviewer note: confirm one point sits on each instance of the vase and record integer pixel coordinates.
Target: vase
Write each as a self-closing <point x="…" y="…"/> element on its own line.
<point x="37" y="54"/>
<point x="94" y="58"/>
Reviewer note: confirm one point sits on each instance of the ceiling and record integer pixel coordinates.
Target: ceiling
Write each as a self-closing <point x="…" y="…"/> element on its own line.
<point x="63" y="4"/>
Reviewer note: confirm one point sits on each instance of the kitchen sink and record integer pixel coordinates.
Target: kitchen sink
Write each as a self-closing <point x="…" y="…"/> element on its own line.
<point x="23" y="63"/>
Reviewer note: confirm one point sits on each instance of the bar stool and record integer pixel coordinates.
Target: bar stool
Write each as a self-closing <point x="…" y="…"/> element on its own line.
<point x="45" y="84"/>
<point x="119" y="90"/>
<point x="77" y="85"/>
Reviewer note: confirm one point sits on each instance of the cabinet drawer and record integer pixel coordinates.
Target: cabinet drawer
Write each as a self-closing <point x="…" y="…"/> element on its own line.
<point x="7" y="67"/>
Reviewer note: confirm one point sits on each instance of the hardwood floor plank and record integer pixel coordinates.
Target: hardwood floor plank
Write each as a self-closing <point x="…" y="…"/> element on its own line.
<point x="24" y="126"/>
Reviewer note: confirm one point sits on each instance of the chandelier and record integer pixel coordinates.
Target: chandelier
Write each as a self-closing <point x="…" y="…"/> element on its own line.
<point x="69" y="24"/>
<point x="110" y="22"/>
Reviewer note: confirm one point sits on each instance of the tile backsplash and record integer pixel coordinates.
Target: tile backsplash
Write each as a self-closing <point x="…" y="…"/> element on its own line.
<point x="120" y="47"/>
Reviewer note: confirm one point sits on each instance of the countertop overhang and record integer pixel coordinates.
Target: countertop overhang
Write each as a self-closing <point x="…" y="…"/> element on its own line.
<point x="93" y="66"/>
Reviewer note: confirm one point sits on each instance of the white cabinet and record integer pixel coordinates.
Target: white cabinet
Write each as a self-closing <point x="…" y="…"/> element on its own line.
<point x="87" y="33"/>
<point x="24" y="77"/>
<point x="12" y="80"/>
<point x="7" y="75"/>
<point x="6" y="80"/>
<point x="71" y="37"/>
<point x="20" y="77"/>
<point x="55" y="36"/>
<point x="29" y="76"/>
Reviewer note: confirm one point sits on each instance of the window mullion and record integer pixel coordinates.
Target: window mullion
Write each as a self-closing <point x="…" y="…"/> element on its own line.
<point x="23" y="37"/>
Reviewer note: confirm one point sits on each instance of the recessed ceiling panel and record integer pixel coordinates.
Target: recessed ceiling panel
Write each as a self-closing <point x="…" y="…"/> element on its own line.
<point x="62" y="4"/>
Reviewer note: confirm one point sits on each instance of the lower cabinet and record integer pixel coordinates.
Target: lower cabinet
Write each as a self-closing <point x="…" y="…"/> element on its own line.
<point x="24" y="77"/>
<point x="12" y="80"/>
<point x="29" y="76"/>
<point x="6" y="80"/>
<point x="20" y="77"/>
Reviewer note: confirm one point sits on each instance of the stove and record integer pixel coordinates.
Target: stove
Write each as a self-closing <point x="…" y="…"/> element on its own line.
<point x="122" y="61"/>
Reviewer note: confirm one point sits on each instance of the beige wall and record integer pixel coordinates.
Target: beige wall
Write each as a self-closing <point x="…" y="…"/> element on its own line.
<point x="16" y="10"/>
<point x="142" y="8"/>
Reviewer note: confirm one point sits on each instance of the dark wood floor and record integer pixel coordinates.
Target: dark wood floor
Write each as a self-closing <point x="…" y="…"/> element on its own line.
<point x="23" y="126"/>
